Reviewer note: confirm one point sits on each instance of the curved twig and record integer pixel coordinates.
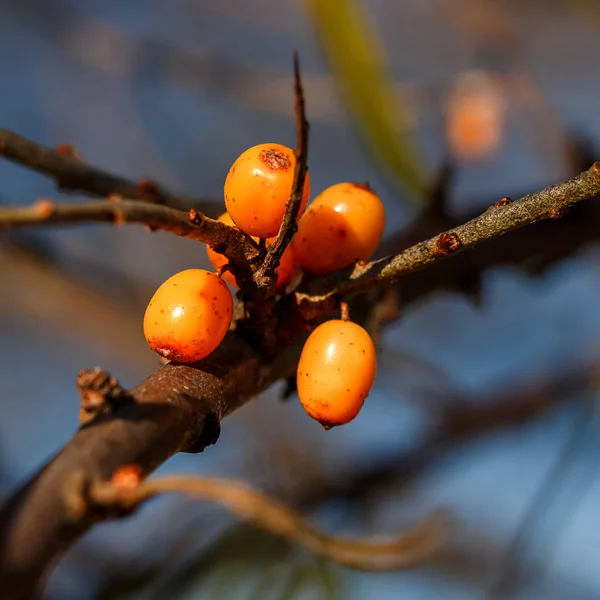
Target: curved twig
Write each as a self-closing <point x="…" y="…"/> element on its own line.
<point x="404" y="552"/>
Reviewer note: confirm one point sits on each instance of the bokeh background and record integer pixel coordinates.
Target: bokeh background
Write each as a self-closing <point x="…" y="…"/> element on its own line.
<point x="175" y="91"/>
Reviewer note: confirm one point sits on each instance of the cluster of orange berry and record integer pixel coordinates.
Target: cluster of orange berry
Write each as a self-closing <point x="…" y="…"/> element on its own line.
<point x="190" y="313"/>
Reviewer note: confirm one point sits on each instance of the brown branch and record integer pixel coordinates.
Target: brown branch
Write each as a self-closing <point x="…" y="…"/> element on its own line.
<point x="289" y="225"/>
<point x="71" y="173"/>
<point x="404" y="552"/>
<point x="179" y="407"/>
<point x="501" y="218"/>
<point x="193" y="225"/>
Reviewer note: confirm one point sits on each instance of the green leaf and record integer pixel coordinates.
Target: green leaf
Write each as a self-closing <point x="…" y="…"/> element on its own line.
<point x="358" y="65"/>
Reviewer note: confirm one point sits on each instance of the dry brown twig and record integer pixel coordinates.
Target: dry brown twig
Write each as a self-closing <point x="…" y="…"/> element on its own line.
<point x="65" y="166"/>
<point x="403" y="552"/>
<point x="194" y="225"/>
<point x="289" y="226"/>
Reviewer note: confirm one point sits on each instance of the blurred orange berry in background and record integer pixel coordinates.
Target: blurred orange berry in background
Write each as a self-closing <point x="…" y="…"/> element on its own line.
<point x="475" y="116"/>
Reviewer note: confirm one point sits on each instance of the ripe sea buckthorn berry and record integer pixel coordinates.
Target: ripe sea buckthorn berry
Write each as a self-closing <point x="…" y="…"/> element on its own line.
<point x="188" y="316"/>
<point x="285" y="271"/>
<point x="257" y="187"/>
<point x="336" y="371"/>
<point x="344" y="223"/>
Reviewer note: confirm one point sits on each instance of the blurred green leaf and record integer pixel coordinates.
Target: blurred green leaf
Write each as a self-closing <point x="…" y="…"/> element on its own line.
<point x="359" y="68"/>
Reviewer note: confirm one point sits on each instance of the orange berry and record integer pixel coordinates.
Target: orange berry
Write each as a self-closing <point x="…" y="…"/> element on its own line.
<point x="285" y="271"/>
<point x="344" y="223"/>
<point x="257" y="187"/>
<point x="336" y="371"/>
<point x="188" y="316"/>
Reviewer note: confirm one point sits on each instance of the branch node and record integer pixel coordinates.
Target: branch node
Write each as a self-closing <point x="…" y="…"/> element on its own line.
<point x="502" y="202"/>
<point x="100" y="394"/>
<point x="67" y="150"/>
<point x="195" y="216"/>
<point x="447" y="243"/>
<point x="202" y="434"/>
<point x="558" y="213"/>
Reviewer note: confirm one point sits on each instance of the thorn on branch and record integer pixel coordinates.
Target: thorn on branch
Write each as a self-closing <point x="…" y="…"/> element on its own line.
<point x="447" y="243"/>
<point x="227" y="267"/>
<point x="267" y="276"/>
<point x="100" y="394"/>
<point x="503" y="202"/>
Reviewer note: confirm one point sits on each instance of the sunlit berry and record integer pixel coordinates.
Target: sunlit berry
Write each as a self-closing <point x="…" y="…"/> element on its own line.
<point x="336" y="372"/>
<point x="188" y="316"/>
<point x="257" y="187"/>
<point x="285" y="271"/>
<point x="344" y="223"/>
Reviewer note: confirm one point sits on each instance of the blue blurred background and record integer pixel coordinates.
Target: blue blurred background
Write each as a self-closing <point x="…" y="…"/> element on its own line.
<point x="176" y="91"/>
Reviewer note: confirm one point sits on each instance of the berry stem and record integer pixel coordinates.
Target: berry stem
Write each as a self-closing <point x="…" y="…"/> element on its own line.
<point x="227" y="267"/>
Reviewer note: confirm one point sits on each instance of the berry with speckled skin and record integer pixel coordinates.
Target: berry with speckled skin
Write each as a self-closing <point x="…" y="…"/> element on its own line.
<point x="343" y="224"/>
<point x="257" y="187"/>
<point x="188" y="316"/>
<point x="285" y="271"/>
<point x="336" y="371"/>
